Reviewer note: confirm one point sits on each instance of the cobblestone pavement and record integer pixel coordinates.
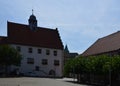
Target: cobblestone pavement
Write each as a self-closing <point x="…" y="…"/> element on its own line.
<point x="28" y="81"/>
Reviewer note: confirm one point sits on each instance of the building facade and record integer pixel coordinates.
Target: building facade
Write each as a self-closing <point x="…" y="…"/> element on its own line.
<point x="40" y="47"/>
<point x="38" y="61"/>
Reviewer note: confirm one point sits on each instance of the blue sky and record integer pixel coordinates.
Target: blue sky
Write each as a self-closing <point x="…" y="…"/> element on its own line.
<point x="80" y="22"/>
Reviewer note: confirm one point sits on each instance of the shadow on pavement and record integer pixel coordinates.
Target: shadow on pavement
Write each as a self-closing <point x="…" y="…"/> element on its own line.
<point x="75" y="82"/>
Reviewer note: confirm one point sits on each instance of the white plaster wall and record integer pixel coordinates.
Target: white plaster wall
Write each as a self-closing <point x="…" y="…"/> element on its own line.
<point x="26" y="68"/>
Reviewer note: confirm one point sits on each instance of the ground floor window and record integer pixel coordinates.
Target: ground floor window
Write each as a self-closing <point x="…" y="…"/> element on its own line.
<point x="44" y="61"/>
<point x="30" y="60"/>
<point x="37" y="68"/>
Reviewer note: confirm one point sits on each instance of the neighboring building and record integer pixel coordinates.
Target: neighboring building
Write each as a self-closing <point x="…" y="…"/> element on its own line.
<point x="109" y="45"/>
<point x="41" y="48"/>
<point x="68" y="55"/>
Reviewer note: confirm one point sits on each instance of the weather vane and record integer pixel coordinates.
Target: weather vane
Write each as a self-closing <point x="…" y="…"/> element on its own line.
<point x="32" y="11"/>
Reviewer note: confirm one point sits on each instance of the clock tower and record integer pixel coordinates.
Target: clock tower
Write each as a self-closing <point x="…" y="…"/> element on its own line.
<point x="32" y="22"/>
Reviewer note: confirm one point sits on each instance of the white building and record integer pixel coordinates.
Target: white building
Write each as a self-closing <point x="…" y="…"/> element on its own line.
<point x="41" y="48"/>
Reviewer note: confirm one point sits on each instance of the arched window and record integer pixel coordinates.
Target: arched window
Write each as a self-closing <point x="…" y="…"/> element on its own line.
<point x="51" y="72"/>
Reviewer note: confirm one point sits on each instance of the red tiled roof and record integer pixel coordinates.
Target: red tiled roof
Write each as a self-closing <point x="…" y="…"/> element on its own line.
<point x="105" y="44"/>
<point x="42" y="37"/>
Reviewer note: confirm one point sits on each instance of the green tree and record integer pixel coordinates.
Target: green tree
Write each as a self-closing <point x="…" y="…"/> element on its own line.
<point x="9" y="56"/>
<point x="68" y="67"/>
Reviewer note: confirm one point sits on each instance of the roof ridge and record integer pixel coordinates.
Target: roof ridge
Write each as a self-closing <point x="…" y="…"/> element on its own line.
<point x="109" y="35"/>
<point x="16" y="23"/>
<point x="28" y="25"/>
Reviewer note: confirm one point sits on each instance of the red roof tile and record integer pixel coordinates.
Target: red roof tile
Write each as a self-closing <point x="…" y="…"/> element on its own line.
<point x="42" y="37"/>
<point x="105" y="44"/>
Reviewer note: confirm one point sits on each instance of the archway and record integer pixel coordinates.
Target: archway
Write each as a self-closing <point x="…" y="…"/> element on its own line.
<point x="52" y="72"/>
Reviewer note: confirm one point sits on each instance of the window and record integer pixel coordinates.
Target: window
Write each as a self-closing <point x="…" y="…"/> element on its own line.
<point x="37" y="68"/>
<point x="56" y="62"/>
<point x="39" y="51"/>
<point x="30" y="60"/>
<point x="30" y="50"/>
<point x="55" y="53"/>
<point x="18" y="48"/>
<point x="44" y="61"/>
<point x="47" y="52"/>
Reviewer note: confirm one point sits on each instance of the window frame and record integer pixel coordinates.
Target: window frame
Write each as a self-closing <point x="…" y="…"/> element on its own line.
<point x="56" y="62"/>
<point x="37" y="68"/>
<point x="44" y="62"/>
<point x="47" y="52"/>
<point x="39" y="51"/>
<point x="30" y="61"/>
<point x="55" y="53"/>
<point x="30" y="50"/>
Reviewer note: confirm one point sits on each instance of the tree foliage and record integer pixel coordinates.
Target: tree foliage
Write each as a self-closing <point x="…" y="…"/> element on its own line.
<point x="93" y="64"/>
<point x="9" y="56"/>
